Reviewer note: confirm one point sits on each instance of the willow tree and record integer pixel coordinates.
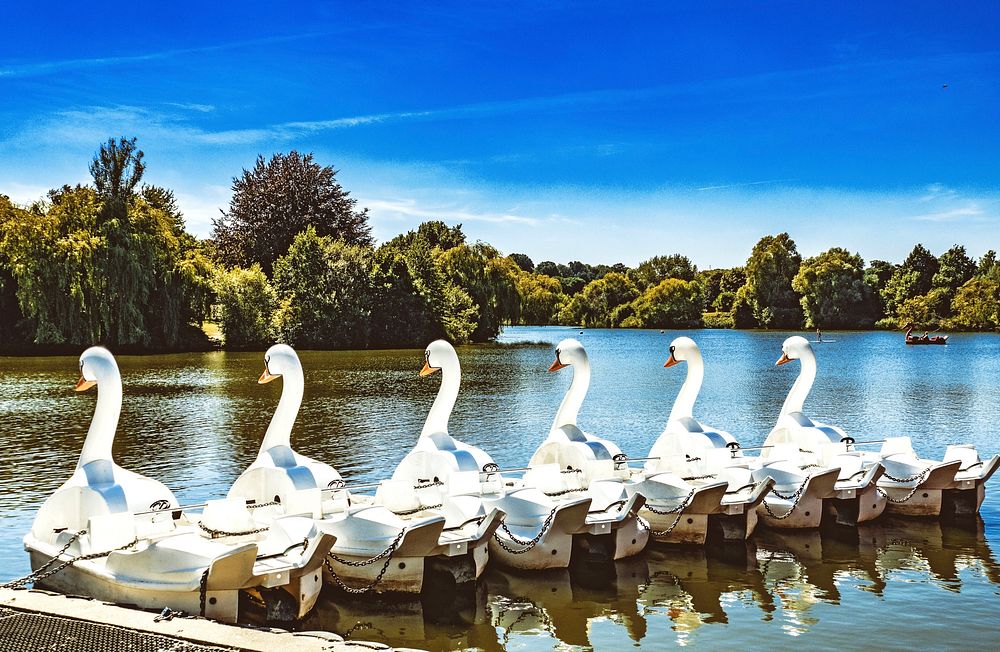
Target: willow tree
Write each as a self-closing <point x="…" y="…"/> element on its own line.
<point x="102" y="264"/>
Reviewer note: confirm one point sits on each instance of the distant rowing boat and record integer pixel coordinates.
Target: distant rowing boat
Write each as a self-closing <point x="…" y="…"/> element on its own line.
<point x="923" y="339"/>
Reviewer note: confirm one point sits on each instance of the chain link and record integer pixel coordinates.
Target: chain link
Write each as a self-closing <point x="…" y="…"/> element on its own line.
<point x="675" y="510"/>
<point x="202" y="592"/>
<point x="430" y="483"/>
<point x="223" y="533"/>
<point x="422" y="508"/>
<point x="679" y="510"/>
<point x="794" y="497"/>
<point x="42" y="574"/>
<point x="359" y="590"/>
<point x="916" y="479"/>
<point x="367" y="562"/>
<point x="528" y="544"/>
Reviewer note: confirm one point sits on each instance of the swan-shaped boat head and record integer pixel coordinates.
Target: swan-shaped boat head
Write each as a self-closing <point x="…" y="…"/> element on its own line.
<point x="568" y="445"/>
<point x="793" y="425"/>
<point x="437" y="454"/>
<point x="681" y="424"/>
<point x="98" y="486"/>
<point x="278" y="469"/>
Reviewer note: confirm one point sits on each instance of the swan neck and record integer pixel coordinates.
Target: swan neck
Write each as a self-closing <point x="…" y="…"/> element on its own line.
<point x="688" y="394"/>
<point x="101" y="436"/>
<point x="444" y="402"/>
<point x="571" y="403"/>
<point x="279" y="431"/>
<point x="803" y="384"/>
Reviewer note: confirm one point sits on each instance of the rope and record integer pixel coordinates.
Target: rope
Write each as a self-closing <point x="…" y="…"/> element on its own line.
<point x="528" y="544"/>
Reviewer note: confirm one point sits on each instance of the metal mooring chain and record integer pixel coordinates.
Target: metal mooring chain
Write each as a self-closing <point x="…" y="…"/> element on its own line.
<point x="794" y="497"/>
<point x="223" y="533"/>
<point x="364" y="589"/>
<point x="367" y="562"/>
<point x="675" y="510"/>
<point x="529" y="544"/>
<point x="679" y="510"/>
<point x="42" y="573"/>
<point x="917" y="479"/>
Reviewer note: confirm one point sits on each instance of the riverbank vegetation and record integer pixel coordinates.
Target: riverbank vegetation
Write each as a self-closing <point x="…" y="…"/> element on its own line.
<point x="293" y="260"/>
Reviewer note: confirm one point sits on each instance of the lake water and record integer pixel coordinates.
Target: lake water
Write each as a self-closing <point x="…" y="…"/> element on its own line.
<point x="194" y="421"/>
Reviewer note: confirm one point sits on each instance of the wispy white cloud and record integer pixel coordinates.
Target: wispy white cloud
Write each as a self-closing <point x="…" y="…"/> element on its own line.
<point x="937" y="192"/>
<point x="746" y="184"/>
<point x="188" y="106"/>
<point x="40" y="68"/>
<point x="396" y="209"/>
<point x="970" y="211"/>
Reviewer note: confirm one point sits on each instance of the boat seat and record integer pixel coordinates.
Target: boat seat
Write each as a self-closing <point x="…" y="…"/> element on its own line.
<point x="100" y="476"/>
<point x="284" y="457"/>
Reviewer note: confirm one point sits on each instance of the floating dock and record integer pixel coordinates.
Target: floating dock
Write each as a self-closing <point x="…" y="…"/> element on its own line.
<point x="40" y="620"/>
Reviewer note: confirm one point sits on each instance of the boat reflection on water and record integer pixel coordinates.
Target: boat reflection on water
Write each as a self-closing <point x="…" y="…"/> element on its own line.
<point x="779" y="577"/>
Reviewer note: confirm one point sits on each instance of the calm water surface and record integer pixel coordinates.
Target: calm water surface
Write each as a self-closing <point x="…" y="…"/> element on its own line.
<point x="194" y="421"/>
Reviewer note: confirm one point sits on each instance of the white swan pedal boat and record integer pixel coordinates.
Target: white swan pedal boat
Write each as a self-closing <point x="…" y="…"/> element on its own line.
<point x="537" y="531"/>
<point x="908" y="485"/>
<point x="118" y="536"/>
<point x="776" y="490"/>
<point x="673" y="510"/>
<point x="381" y="547"/>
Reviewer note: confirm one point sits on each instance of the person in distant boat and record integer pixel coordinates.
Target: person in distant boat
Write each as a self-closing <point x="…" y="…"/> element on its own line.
<point x="927" y="336"/>
<point x="819" y="335"/>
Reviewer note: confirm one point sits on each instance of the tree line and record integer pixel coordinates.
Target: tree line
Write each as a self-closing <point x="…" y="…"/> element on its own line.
<point x="292" y="259"/>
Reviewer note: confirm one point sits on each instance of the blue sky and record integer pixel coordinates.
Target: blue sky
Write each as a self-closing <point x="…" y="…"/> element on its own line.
<point x="601" y="132"/>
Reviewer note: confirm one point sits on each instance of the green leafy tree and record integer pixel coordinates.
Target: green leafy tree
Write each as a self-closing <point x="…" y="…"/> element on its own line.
<point x="117" y="168"/>
<point x="433" y="234"/>
<point x="276" y="200"/>
<point x="975" y="304"/>
<point x="911" y="279"/>
<point x="541" y="298"/>
<point x="490" y="281"/>
<point x="594" y="306"/>
<point x="954" y="269"/>
<point x="400" y="313"/>
<point x="325" y="290"/>
<point x="673" y="303"/>
<point x="571" y="284"/>
<point x="523" y="261"/>
<point x="834" y="292"/>
<point x="658" y="268"/>
<point x="925" y="310"/>
<point x="547" y="268"/>
<point x="772" y="265"/>
<point x="247" y="302"/>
